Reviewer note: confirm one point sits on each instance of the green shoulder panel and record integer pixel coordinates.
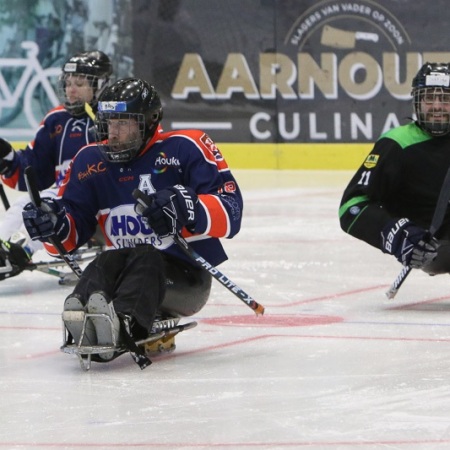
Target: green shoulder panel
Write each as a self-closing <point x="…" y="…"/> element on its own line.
<point x="407" y="135"/>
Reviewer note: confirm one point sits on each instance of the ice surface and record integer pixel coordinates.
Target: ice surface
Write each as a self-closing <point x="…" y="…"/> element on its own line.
<point x="332" y="364"/>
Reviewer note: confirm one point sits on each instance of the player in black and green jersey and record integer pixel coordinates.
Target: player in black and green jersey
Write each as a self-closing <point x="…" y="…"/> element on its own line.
<point x="390" y="201"/>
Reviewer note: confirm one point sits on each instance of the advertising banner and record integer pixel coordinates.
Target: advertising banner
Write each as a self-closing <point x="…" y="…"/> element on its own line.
<point x="282" y="74"/>
<point x="288" y="71"/>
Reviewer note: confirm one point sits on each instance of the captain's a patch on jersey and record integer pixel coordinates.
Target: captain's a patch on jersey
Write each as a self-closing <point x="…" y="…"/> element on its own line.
<point x="371" y="161"/>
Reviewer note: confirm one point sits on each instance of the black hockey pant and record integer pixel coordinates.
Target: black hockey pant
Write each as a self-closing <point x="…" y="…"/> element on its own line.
<point x="143" y="282"/>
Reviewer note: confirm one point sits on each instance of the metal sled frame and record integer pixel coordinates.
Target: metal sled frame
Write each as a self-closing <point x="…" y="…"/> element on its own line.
<point x="85" y="352"/>
<point x="161" y="339"/>
<point x="157" y="342"/>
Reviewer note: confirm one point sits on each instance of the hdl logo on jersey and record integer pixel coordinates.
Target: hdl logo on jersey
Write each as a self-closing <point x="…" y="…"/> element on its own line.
<point x="122" y="222"/>
<point x="126" y="229"/>
<point x="126" y="225"/>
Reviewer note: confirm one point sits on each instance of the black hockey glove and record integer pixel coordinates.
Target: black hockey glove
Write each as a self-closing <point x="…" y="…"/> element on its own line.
<point x="13" y="260"/>
<point x="411" y="245"/>
<point x="169" y="210"/>
<point x="7" y="155"/>
<point x="46" y="221"/>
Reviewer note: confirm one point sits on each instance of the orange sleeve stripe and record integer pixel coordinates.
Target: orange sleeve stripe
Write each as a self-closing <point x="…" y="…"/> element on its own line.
<point x="217" y="216"/>
<point x="101" y="222"/>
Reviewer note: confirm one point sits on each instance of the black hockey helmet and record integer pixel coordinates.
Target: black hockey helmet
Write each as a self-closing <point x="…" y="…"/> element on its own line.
<point x="430" y="85"/>
<point x="97" y="68"/>
<point x="128" y="98"/>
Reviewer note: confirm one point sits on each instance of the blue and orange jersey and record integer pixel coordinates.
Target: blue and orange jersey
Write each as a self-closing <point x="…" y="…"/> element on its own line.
<point x="97" y="191"/>
<point x="58" y="139"/>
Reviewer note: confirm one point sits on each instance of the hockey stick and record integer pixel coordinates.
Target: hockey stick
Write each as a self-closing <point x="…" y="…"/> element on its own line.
<point x="33" y="191"/>
<point x="436" y="222"/>
<point x="4" y="198"/>
<point x="219" y="276"/>
<point x="216" y="273"/>
<point x="89" y="111"/>
<point x="53" y="267"/>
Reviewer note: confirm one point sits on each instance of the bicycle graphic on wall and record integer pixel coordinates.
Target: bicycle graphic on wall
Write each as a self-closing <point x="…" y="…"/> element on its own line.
<point x="26" y="87"/>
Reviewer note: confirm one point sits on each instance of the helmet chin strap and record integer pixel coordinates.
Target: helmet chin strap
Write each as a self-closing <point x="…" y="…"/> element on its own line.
<point x="435" y="129"/>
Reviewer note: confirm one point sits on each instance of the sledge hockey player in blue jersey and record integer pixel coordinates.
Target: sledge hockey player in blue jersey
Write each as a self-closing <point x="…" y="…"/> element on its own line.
<point x="62" y="132"/>
<point x="185" y="188"/>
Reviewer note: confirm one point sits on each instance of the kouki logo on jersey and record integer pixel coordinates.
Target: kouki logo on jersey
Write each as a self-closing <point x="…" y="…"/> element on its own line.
<point x="124" y="228"/>
<point x="162" y="162"/>
<point x="371" y="161"/>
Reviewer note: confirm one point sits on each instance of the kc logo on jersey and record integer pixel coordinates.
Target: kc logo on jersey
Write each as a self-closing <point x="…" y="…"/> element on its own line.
<point x="91" y="169"/>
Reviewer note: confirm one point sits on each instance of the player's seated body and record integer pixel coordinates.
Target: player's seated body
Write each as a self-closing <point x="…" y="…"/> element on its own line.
<point x="141" y="201"/>
<point x="391" y="200"/>
<point x="62" y="132"/>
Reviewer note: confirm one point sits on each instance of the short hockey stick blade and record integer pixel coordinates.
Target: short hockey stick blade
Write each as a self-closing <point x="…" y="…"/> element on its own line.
<point x="35" y="196"/>
<point x="392" y="292"/>
<point x="219" y="276"/>
<point x="65" y="278"/>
